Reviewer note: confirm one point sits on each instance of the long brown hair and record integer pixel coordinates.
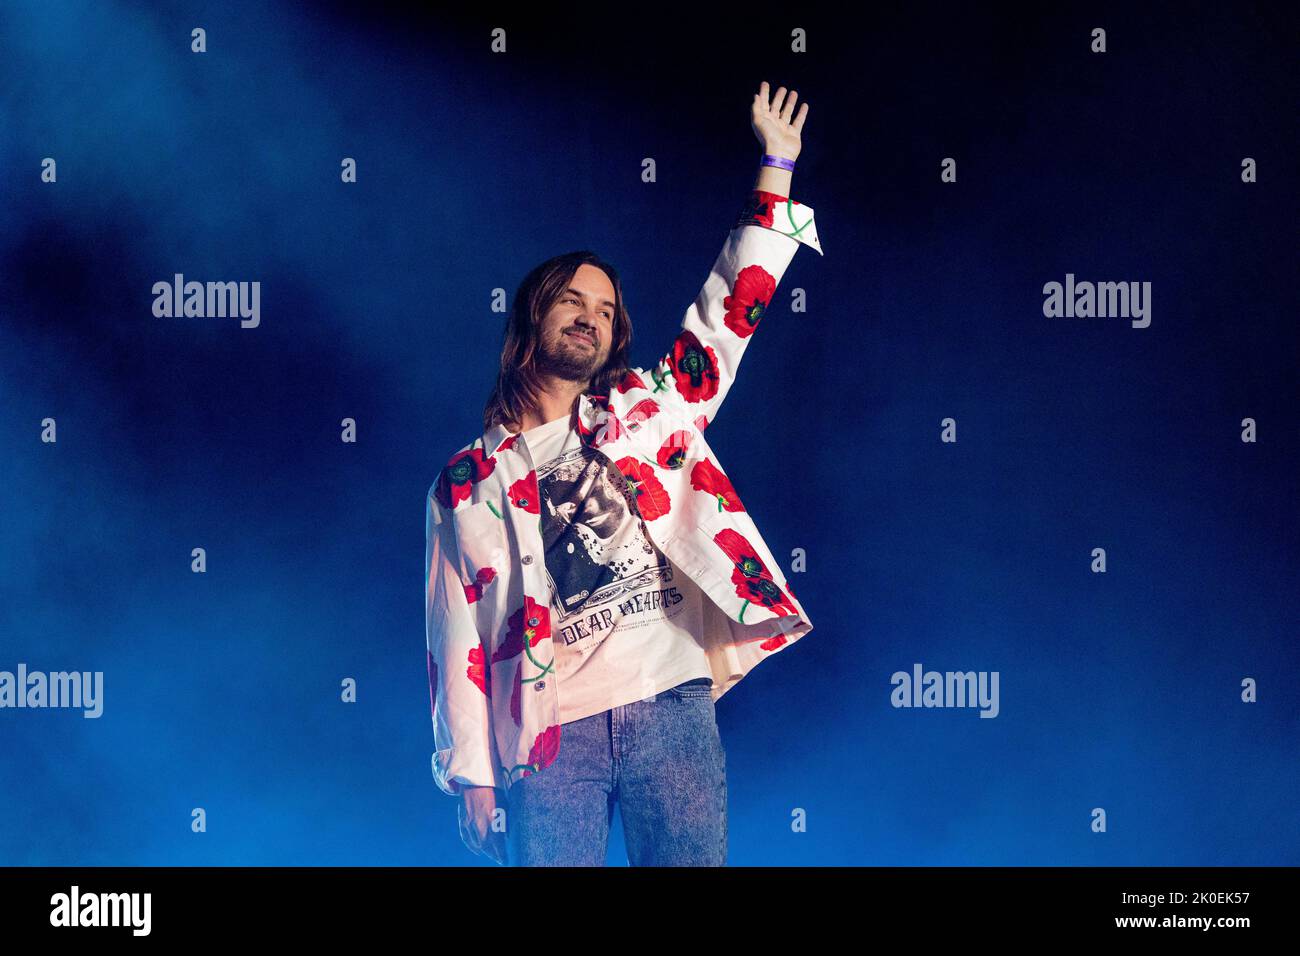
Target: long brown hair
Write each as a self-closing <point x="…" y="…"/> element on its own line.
<point x="518" y="383"/>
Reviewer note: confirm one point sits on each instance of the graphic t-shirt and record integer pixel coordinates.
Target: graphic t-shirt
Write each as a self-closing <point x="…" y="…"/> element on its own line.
<point x="624" y="620"/>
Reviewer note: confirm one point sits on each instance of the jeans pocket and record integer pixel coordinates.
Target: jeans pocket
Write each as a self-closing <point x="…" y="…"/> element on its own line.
<point x="699" y="687"/>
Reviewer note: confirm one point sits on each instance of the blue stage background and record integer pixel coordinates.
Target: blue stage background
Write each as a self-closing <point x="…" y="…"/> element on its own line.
<point x="1118" y="690"/>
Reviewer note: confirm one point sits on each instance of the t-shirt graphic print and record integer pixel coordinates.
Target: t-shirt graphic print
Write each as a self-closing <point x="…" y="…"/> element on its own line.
<point x="624" y="619"/>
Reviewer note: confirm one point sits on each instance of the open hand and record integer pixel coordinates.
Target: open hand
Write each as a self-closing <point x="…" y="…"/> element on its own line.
<point x="775" y="124"/>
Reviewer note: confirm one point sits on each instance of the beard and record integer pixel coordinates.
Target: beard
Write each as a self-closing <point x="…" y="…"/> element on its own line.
<point x="567" y="358"/>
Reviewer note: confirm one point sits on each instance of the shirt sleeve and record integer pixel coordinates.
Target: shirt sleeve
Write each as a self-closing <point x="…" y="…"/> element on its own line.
<point x="459" y="676"/>
<point x="697" y="372"/>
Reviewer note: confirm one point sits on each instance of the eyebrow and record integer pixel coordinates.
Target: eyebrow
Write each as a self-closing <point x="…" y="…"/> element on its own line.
<point x="583" y="296"/>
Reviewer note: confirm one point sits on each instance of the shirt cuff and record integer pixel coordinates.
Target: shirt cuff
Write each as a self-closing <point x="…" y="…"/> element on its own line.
<point x="454" y="769"/>
<point x="781" y="214"/>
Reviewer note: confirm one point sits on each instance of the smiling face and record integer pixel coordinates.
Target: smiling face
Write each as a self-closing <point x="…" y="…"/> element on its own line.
<point x="577" y="332"/>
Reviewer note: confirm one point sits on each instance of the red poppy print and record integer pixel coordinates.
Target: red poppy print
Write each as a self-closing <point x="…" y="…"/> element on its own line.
<point x="642" y="411"/>
<point x="695" y="367"/>
<point x="533" y="621"/>
<point x="650" y="497"/>
<point x="478" y="673"/>
<point x="672" y="453"/>
<point x="630" y="380"/>
<point x="460" y="474"/>
<point x="523" y="494"/>
<point x="750" y="575"/>
<point x="604" y="427"/>
<point x="608" y="428"/>
<point x="701" y="422"/>
<point x="777" y="640"/>
<point x="508" y="443"/>
<point x="544" y="750"/>
<point x="585" y="433"/>
<point x="474" y="592"/>
<point x="760" y="208"/>
<point x="753" y="290"/>
<point x="706" y="477"/>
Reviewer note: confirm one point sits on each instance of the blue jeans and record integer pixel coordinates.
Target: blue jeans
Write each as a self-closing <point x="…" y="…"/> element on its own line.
<point x="661" y="759"/>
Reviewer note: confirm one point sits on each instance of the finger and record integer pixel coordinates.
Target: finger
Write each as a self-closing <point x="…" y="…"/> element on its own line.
<point x="777" y="97"/>
<point x="788" y="110"/>
<point x="798" y="120"/>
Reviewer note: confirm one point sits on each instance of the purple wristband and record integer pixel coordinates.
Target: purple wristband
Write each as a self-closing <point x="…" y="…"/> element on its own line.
<point x="770" y="160"/>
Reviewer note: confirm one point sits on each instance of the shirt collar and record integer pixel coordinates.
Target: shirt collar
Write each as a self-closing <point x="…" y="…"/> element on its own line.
<point x="589" y="409"/>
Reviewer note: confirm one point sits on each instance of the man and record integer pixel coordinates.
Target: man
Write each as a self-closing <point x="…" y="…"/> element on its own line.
<point x="594" y="582"/>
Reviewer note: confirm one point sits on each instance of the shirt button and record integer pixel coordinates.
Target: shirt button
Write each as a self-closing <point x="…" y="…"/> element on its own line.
<point x="533" y="622"/>
<point x="528" y="559"/>
<point x="540" y="684"/>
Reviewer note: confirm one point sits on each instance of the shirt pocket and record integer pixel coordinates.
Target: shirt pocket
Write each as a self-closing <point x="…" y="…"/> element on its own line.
<point x="481" y="539"/>
<point x="692" y="549"/>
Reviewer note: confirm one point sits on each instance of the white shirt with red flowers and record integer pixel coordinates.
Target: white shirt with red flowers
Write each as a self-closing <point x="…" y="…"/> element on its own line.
<point x="488" y="618"/>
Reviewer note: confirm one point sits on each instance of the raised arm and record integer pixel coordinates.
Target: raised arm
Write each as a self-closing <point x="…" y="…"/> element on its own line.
<point x="697" y="372"/>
